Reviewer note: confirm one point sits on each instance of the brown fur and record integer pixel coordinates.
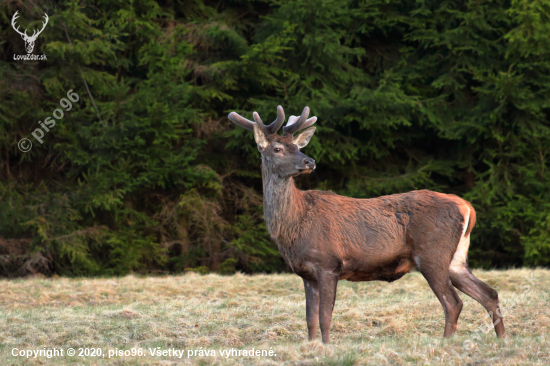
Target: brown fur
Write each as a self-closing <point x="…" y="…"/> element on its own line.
<point x="325" y="237"/>
<point x="370" y="239"/>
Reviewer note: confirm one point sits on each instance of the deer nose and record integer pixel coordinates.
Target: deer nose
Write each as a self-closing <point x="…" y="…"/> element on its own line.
<point x="309" y="163"/>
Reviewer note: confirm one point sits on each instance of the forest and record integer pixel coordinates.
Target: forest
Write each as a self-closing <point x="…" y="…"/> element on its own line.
<point x="144" y="173"/>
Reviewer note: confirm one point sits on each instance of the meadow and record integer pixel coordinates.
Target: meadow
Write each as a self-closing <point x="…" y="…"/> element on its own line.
<point x="375" y="323"/>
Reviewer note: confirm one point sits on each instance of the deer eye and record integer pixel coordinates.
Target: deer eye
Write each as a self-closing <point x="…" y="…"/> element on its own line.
<point x="277" y="149"/>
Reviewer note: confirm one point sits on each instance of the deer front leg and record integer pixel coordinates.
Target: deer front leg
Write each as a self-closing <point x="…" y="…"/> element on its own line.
<point x="312" y="307"/>
<point x="327" y="290"/>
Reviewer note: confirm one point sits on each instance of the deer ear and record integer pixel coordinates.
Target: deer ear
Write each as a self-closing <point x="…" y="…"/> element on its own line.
<point x="260" y="138"/>
<point x="303" y="139"/>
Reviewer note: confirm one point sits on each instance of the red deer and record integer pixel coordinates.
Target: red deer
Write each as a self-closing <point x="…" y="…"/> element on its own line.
<point x="325" y="237"/>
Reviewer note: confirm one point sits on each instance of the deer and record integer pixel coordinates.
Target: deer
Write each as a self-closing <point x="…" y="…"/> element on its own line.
<point x="325" y="237"/>
<point x="29" y="40"/>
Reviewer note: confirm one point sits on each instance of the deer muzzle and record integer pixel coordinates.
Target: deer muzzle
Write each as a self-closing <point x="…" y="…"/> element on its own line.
<point x="308" y="165"/>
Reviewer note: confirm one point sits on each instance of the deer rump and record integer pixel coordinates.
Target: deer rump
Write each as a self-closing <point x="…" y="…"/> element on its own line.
<point x="378" y="238"/>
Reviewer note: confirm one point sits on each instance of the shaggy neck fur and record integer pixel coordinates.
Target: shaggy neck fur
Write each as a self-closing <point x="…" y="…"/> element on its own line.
<point x="284" y="206"/>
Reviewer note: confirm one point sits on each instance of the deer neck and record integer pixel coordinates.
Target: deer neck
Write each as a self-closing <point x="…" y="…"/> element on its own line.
<point x="284" y="207"/>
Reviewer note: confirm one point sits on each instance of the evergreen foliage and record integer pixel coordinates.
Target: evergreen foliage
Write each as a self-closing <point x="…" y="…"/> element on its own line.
<point x="145" y="173"/>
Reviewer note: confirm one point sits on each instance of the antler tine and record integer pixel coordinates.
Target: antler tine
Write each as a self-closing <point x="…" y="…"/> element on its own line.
<point x="260" y="123"/>
<point x="15" y="16"/>
<point x="308" y="122"/>
<point x="46" y="23"/>
<point x="300" y="124"/>
<point x="249" y="125"/>
<point x="241" y="121"/>
<point x="276" y="125"/>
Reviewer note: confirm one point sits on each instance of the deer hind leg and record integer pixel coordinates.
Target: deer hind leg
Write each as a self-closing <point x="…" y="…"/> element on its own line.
<point x="464" y="280"/>
<point x="440" y="283"/>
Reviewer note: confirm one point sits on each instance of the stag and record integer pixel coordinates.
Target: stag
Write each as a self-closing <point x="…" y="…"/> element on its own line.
<point x="324" y="237"/>
<point x="29" y="41"/>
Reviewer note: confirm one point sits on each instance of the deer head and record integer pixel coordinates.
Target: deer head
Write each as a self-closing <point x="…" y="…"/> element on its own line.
<point x="281" y="155"/>
<point x="29" y="40"/>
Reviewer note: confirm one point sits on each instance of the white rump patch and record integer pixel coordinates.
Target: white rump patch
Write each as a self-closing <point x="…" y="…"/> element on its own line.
<point x="458" y="264"/>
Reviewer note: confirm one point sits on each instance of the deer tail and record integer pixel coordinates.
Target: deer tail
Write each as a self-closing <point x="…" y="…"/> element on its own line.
<point x="472" y="219"/>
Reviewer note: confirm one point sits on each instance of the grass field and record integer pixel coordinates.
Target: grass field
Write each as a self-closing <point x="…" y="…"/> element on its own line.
<point x="374" y="323"/>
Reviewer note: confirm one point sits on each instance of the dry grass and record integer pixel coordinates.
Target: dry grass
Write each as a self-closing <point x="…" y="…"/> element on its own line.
<point x="375" y="323"/>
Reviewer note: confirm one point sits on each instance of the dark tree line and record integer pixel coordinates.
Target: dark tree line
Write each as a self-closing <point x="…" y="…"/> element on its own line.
<point x="145" y="172"/>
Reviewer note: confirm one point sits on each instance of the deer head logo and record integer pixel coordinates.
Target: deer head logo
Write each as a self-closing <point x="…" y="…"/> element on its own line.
<point x="29" y="40"/>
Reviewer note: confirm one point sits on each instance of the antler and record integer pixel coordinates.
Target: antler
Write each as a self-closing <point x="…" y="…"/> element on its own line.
<point x="34" y="34"/>
<point x="13" y="24"/>
<point x="44" y="26"/>
<point x="296" y="124"/>
<point x="249" y="125"/>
